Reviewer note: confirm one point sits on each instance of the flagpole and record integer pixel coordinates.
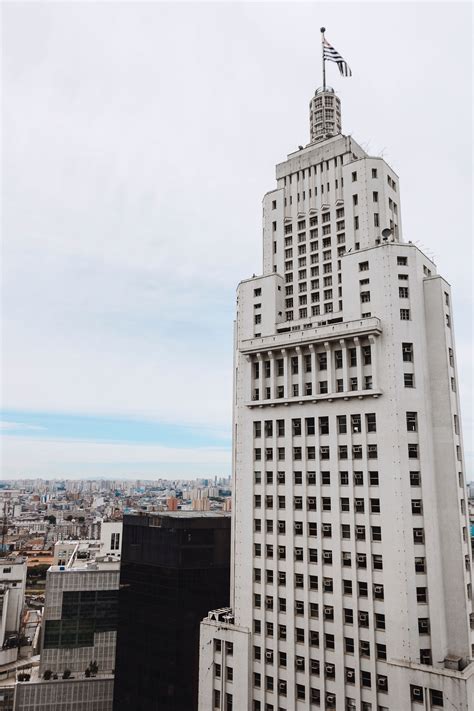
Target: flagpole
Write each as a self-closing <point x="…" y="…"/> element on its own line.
<point x="323" y="30"/>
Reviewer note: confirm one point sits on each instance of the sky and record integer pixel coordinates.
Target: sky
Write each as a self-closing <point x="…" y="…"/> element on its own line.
<point x="138" y="140"/>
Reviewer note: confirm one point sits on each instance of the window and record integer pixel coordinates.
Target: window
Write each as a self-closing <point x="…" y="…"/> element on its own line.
<point x="405" y="314"/>
<point x="421" y="595"/>
<point x="363" y="266"/>
<point x="365" y="296"/>
<point x="402" y="261"/>
<point x="373" y="478"/>
<point x="323" y="425"/>
<point x="376" y="219"/>
<point x="343" y="478"/>
<point x="354" y="176"/>
<point x="436" y="698"/>
<point x="412" y="422"/>
<point x="374" y="172"/>
<point x="257" y="292"/>
<point x="376" y="533"/>
<point x="407" y="352"/>
<point x="371" y="422"/>
<point x="217" y="696"/>
<point x="416" y="693"/>
<point x="403" y="292"/>
<point x="356" y="222"/>
<point x="258" y="318"/>
<point x="409" y="380"/>
<point x="412" y="451"/>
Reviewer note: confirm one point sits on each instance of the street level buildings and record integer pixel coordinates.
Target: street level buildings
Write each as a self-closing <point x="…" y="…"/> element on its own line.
<point x="351" y="564"/>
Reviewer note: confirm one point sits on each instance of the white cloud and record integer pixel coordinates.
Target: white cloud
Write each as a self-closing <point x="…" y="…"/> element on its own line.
<point x="139" y="139"/>
<point x="24" y="455"/>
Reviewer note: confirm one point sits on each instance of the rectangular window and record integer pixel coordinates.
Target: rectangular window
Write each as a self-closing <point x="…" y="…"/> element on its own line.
<point x="405" y="314"/>
<point x="409" y="380"/>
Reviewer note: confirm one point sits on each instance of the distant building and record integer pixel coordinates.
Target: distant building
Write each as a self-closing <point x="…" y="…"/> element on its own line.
<point x="173" y="565"/>
<point x="80" y="616"/>
<point x="12" y="594"/>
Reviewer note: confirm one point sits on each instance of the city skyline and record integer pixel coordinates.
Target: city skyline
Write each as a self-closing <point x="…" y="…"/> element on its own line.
<point x="118" y="304"/>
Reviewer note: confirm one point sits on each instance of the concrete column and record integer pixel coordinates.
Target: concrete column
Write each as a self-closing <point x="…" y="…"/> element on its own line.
<point x="286" y="372"/>
<point x="271" y="356"/>
<point x="261" y="379"/>
<point x="313" y="368"/>
<point x="300" y="371"/>
<point x="374" y="356"/>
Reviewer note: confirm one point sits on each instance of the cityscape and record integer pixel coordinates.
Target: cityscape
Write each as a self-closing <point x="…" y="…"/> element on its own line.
<point x="314" y="550"/>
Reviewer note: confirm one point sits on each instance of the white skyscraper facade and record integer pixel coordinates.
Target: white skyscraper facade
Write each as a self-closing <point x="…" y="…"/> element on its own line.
<point x="351" y="561"/>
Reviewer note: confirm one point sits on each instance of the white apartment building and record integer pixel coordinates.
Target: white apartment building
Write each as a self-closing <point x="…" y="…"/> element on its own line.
<point x="351" y="564"/>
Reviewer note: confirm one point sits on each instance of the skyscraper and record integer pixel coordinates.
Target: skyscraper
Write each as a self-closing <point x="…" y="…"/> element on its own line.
<point x="351" y="566"/>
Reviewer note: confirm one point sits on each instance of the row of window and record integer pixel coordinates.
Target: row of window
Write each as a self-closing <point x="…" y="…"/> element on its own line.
<point x="325" y="452"/>
<point x="326" y="531"/>
<point x="311" y="582"/>
<point x="322" y="387"/>
<point x="304" y="363"/>
<point x="325" y="478"/>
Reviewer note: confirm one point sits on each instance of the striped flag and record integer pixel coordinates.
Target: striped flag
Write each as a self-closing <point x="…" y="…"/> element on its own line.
<point x="333" y="55"/>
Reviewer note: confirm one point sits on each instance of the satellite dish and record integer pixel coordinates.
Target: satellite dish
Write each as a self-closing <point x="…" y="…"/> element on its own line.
<point x="386" y="232"/>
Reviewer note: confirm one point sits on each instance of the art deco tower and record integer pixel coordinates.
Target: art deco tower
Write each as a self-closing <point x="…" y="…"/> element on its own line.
<point x="351" y="565"/>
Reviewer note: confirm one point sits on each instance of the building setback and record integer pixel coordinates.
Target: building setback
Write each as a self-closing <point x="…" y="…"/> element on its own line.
<point x="351" y="565"/>
<point x="173" y="565"/>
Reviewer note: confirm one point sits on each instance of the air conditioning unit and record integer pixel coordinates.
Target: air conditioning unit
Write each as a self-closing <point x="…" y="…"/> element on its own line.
<point x="282" y="685"/>
<point x="268" y="602"/>
<point x="361" y="557"/>
<point x="350" y="674"/>
<point x="329" y="668"/>
<point x="281" y="550"/>
<point x="327" y="583"/>
<point x="363" y="616"/>
<point x="378" y="589"/>
<point x="311" y="501"/>
<point x="327" y="555"/>
<point x="360" y="529"/>
<point x="326" y="527"/>
<point x="281" y="525"/>
<point x="356" y="429"/>
<point x="298" y="526"/>
<point x="299" y="606"/>
<point x="346" y="555"/>
<point x="300" y="662"/>
<point x="382" y="683"/>
<point x="328" y="611"/>
<point x="269" y="656"/>
<point x="417" y="693"/>
<point x="281" y="476"/>
<point x="330" y="699"/>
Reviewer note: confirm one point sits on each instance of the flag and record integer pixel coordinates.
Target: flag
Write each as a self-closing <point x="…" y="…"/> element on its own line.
<point x="333" y="55"/>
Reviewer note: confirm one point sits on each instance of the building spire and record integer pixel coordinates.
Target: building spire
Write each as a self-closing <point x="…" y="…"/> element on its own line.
<point x="325" y="106"/>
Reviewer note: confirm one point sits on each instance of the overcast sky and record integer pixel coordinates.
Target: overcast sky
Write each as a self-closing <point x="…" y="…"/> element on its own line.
<point x="138" y="141"/>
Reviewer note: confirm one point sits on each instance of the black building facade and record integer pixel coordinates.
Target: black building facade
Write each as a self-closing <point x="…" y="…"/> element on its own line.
<point x="175" y="567"/>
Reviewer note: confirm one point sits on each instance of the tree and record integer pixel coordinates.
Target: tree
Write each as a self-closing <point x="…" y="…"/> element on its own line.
<point x="47" y="674"/>
<point x="51" y="519"/>
<point x="66" y="674"/>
